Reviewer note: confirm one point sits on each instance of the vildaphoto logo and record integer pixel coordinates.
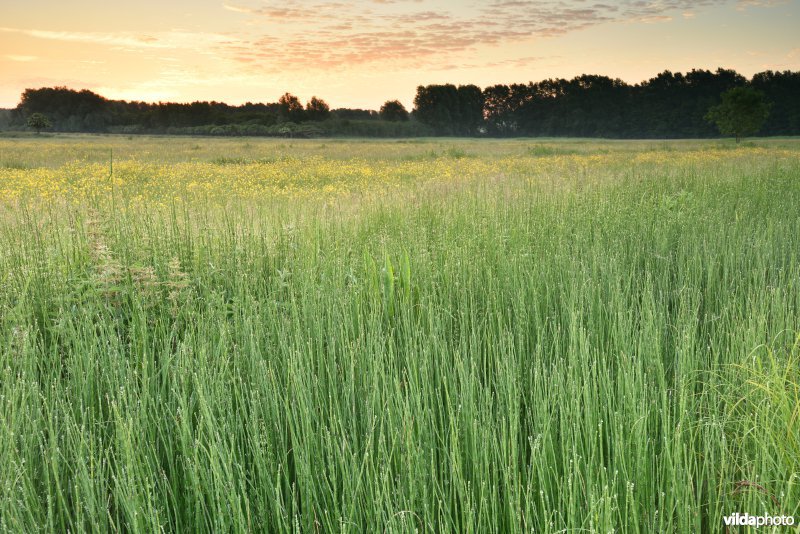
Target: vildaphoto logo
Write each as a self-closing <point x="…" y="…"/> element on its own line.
<point x="747" y="520"/>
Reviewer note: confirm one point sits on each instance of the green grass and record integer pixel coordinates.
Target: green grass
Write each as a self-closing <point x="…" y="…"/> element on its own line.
<point x="613" y="349"/>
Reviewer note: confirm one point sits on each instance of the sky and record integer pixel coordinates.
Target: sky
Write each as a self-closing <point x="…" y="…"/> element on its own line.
<point x="360" y="53"/>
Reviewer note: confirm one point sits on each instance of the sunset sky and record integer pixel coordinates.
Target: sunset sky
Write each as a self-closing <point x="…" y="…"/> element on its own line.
<point x="361" y="53"/>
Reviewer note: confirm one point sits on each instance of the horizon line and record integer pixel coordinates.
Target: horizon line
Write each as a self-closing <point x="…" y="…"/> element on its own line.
<point x="529" y="82"/>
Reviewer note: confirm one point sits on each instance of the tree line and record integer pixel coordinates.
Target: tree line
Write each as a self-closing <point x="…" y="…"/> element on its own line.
<point x="68" y="110"/>
<point x="670" y="105"/>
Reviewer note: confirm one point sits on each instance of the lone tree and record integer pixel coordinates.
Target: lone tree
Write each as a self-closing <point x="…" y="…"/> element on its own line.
<point x="742" y="112"/>
<point x="394" y="110"/>
<point x="38" y="122"/>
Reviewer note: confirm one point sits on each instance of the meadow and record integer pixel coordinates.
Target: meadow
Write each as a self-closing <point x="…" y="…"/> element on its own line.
<point x="244" y="335"/>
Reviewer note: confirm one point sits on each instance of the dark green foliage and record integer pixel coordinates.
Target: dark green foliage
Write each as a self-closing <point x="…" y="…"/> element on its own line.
<point x="670" y="105"/>
<point x="39" y="122"/>
<point x="291" y="110"/>
<point x="355" y="114"/>
<point x="450" y="110"/>
<point x="70" y="110"/>
<point x="6" y="116"/>
<point x="501" y="107"/>
<point x="666" y="106"/>
<point x="317" y="109"/>
<point x="394" y="110"/>
<point x="781" y="90"/>
<point x="742" y="112"/>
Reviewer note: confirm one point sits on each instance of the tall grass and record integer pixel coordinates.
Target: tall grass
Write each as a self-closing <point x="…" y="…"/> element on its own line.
<point x="611" y="350"/>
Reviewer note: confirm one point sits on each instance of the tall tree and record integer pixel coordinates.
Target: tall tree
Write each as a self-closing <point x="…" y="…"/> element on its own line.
<point x="393" y="110"/>
<point x="469" y="120"/>
<point x="70" y="110"/>
<point x="742" y="112"/>
<point x="782" y="90"/>
<point x="437" y="106"/>
<point x="290" y="107"/>
<point x="450" y="110"/>
<point x="317" y="109"/>
<point x="501" y="109"/>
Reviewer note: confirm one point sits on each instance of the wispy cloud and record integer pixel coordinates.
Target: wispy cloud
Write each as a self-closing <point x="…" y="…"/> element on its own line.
<point x="742" y="5"/>
<point x="114" y="39"/>
<point x="21" y="59"/>
<point x="302" y="34"/>
<point x="131" y="40"/>
<point x="297" y="35"/>
<point x="325" y="35"/>
<point x="236" y="9"/>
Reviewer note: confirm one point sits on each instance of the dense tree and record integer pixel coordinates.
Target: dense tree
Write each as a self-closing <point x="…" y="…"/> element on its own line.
<point x="742" y="112"/>
<point x="501" y="106"/>
<point x="71" y="110"/>
<point x="781" y="89"/>
<point x="394" y="110"/>
<point x="450" y="110"/>
<point x="437" y="106"/>
<point x="470" y="110"/>
<point x="669" y="105"/>
<point x="585" y="106"/>
<point x="290" y="108"/>
<point x="6" y="117"/>
<point x="355" y="114"/>
<point x="38" y="122"/>
<point x="317" y="109"/>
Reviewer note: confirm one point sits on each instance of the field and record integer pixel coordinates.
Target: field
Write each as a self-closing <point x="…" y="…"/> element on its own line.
<point x="435" y="336"/>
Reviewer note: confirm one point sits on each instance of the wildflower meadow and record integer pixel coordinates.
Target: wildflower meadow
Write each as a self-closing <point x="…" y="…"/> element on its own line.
<point x="227" y="335"/>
